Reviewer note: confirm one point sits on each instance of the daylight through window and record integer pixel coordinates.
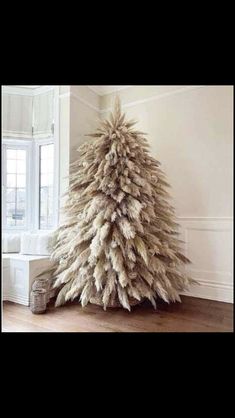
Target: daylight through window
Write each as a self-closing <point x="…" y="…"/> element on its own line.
<point x="46" y="186"/>
<point x="15" y="187"/>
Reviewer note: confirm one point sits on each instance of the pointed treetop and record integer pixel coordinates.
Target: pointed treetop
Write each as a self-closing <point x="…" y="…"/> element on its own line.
<point x="117" y="107"/>
<point x="115" y="120"/>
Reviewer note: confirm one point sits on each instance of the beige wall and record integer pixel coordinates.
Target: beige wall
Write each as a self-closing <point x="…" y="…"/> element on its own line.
<point x="84" y="115"/>
<point x="190" y="132"/>
<point x="78" y="116"/>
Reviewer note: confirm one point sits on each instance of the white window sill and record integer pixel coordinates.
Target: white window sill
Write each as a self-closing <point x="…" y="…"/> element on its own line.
<point x="24" y="257"/>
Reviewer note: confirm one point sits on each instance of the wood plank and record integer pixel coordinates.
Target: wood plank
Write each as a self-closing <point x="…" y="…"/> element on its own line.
<point x="192" y="315"/>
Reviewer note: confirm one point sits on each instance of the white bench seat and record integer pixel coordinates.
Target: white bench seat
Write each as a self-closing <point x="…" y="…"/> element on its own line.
<point x="19" y="272"/>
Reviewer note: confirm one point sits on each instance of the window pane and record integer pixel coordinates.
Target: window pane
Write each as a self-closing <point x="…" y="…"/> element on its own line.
<point x="46" y="186"/>
<point x="11" y="166"/>
<point x="11" y="154"/>
<point x="10" y="195"/>
<point x="10" y="221"/>
<point x="21" y="207"/>
<point x="47" y="151"/>
<point x="11" y="180"/>
<point x="44" y="180"/>
<point x="15" y="197"/>
<point x="50" y="151"/>
<point x="21" y="154"/>
<point x="20" y="222"/>
<point x="20" y="202"/>
<point x="21" y="180"/>
<point x="19" y="214"/>
<point x="15" y="212"/>
<point x="21" y="195"/>
<point x="50" y="179"/>
<point x="44" y="166"/>
<point x="11" y="210"/>
<point x="43" y="210"/>
<point x="21" y="167"/>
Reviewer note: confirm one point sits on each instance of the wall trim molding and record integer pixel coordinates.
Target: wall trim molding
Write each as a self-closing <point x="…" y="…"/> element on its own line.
<point x="222" y="292"/>
<point x="205" y="218"/>
<point x="75" y="96"/>
<point x="155" y="97"/>
<point x="80" y="99"/>
<point x="213" y="273"/>
<point x="220" y="285"/>
<point x="102" y="92"/>
<point x="130" y="104"/>
<point x="11" y="297"/>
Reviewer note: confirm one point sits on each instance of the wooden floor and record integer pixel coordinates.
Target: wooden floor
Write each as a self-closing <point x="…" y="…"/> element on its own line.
<point x="192" y="315"/>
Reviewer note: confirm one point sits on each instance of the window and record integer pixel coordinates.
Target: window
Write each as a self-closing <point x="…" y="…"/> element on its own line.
<point x="15" y="185"/>
<point x="46" y="181"/>
<point x="29" y="188"/>
<point x="30" y="161"/>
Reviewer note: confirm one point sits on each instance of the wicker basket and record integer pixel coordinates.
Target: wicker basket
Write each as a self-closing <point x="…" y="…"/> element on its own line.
<point x="42" y="283"/>
<point x="114" y="304"/>
<point x="38" y="301"/>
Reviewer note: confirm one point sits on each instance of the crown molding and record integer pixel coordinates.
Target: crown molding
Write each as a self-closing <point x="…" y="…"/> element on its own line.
<point x="75" y="96"/>
<point x="155" y="97"/>
<point x="80" y="99"/>
<point x="104" y="90"/>
<point x="130" y="104"/>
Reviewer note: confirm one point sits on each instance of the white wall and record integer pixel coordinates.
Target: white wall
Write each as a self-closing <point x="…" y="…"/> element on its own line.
<point x="191" y="132"/>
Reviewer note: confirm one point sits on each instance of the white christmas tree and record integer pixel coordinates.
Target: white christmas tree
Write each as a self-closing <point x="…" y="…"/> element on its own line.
<point x="118" y="244"/>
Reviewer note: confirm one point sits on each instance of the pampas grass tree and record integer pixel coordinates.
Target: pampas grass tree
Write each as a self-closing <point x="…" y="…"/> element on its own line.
<point x="118" y="243"/>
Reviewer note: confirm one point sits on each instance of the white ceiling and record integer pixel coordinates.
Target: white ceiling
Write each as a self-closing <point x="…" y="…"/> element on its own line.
<point x="102" y="90"/>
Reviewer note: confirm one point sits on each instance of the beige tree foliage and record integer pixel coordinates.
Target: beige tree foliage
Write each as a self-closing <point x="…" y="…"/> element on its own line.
<point x="118" y="243"/>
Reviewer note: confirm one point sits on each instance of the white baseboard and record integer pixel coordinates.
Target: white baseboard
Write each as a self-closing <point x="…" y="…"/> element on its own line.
<point x="212" y="291"/>
<point x="16" y="299"/>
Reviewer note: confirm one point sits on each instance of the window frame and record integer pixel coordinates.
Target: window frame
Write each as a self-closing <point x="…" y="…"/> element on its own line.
<point x="32" y="174"/>
<point x="38" y="142"/>
<point x="32" y="147"/>
<point x="27" y="146"/>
